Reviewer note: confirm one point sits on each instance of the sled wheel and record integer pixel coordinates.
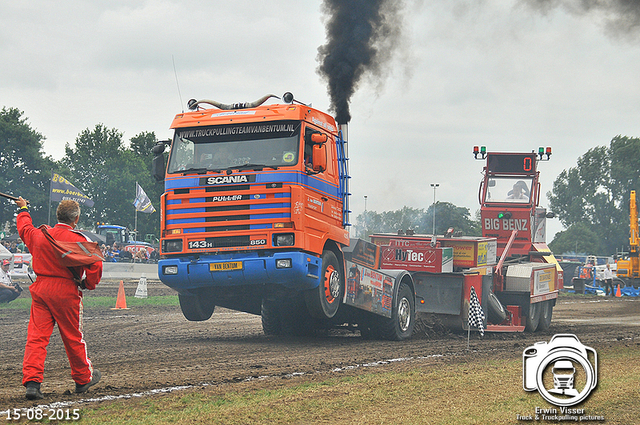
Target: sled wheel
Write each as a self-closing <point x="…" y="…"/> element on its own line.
<point x="496" y="310"/>
<point x="546" y="311"/>
<point x="323" y="302"/>
<point x="533" y="317"/>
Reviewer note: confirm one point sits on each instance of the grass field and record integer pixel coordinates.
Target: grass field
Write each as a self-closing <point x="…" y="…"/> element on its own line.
<point x="91" y="302"/>
<point x="468" y="391"/>
<point x="475" y="388"/>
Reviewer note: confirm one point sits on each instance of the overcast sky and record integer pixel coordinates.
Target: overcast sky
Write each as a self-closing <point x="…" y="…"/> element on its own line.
<point x="467" y="73"/>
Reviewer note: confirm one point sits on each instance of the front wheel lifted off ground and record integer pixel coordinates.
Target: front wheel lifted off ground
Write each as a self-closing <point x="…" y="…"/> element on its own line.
<point x="323" y="302"/>
<point x="270" y="316"/>
<point x="197" y="308"/>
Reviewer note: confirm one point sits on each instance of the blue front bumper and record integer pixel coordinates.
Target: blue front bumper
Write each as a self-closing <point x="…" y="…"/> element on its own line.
<point x="196" y="272"/>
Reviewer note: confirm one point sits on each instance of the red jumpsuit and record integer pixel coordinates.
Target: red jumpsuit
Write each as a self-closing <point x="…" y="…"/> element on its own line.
<point x="55" y="299"/>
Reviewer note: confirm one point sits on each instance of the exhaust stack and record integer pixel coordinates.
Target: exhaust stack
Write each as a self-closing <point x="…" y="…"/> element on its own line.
<point x="344" y="129"/>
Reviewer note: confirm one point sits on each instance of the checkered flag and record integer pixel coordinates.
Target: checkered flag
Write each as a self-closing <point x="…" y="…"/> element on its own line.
<point x="476" y="315"/>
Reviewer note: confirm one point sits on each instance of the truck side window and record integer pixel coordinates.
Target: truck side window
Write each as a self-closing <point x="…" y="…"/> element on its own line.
<point x="315" y="151"/>
<point x="308" y="148"/>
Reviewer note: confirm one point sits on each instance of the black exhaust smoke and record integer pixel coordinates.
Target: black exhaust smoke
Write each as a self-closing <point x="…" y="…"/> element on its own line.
<point x="361" y="37"/>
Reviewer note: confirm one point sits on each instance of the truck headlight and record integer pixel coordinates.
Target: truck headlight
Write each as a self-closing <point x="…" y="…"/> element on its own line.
<point x="283" y="263"/>
<point x="168" y="270"/>
<point x="284" y="239"/>
<point x="172" y="245"/>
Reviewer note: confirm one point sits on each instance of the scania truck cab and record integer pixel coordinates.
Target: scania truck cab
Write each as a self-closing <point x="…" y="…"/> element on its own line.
<point x="255" y="209"/>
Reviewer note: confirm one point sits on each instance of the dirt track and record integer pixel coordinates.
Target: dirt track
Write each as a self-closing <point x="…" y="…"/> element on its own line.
<point x="149" y="348"/>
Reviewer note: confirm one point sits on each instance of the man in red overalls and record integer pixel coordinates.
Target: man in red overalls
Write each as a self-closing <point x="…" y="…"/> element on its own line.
<point x="56" y="298"/>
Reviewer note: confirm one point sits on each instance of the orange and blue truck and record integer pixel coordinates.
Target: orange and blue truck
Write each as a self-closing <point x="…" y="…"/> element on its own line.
<point x="255" y="218"/>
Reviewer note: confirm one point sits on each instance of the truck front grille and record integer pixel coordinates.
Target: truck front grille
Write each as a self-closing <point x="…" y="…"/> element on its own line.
<point x="202" y="213"/>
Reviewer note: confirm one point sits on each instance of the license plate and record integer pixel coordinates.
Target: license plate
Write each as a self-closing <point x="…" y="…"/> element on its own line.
<point x="223" y="267"/>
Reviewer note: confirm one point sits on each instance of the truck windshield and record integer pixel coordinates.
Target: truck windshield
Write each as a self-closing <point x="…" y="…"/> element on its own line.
<point x="508" y="190"/>
<point x="112" y="235"/>
<point x="216" y="148"/>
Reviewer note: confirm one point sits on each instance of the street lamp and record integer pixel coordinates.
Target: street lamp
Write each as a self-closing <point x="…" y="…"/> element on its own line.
<point x="434" y="186"/>
<point x="365" y="215"/>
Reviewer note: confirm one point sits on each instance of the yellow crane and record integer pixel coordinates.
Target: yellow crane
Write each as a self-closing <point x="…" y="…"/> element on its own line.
<point x="629" y="268"/>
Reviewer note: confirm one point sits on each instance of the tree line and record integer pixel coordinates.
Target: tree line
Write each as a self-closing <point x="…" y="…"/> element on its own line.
<point x="100" y="164"/>
<point x="591" y="199"/>
<point x="418" y="220"/>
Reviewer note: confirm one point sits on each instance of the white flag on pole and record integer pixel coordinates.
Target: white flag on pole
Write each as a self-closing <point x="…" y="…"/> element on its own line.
<point x="142" y="201"/>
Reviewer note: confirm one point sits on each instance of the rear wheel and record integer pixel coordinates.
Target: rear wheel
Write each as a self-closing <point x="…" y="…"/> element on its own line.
<point x="546" y="311"/>
<point x="323" y="302"/>
<point x="400" y="325"/>
<point x="533" y="317"/>
<point x="197" y="308"/>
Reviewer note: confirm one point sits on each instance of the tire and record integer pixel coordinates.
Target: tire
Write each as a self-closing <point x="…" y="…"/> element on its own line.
<point x="403" y="316"/>
<point x="197" y="308"/>
<point x="533" y="317"/>
<point x="578" y="286"/>
<point x="270" y="316"/>
<point x="496" y="311"/>
<point x="617" y="281"/>
<point x="546" y="311"/>
<point x="295" y="321"/>
<point x="324" y="301"/>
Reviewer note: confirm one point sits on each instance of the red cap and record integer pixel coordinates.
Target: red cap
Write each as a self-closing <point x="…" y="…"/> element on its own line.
<point x="6" y="262"/>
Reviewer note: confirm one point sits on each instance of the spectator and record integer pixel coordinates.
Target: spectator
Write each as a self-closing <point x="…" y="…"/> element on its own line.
<point x="22" y="247"/>
<point x="141" y="255"/>
<point x="9" y="290"/>
<point x="608" y="280"/>
<point x="115" y="252"/>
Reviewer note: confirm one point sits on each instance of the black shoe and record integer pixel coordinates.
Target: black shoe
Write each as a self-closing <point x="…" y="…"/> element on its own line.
<point x="33" y="391"/>
<point x="94" y="380"/>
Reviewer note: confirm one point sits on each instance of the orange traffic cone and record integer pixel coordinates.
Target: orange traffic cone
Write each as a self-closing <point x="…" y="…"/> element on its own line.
<point x="121" y="301"/>
<point x="618" y="294"/>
